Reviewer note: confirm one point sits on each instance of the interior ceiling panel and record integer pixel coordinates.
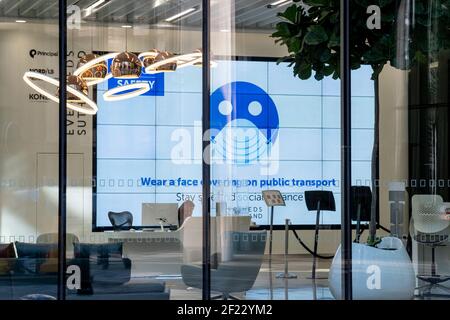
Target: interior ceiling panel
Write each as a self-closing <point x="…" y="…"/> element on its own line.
<point x="248" y="14"/>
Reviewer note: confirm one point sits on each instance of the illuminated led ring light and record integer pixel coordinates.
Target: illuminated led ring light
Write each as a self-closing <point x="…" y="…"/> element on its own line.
<point x="182" y="61"/>
<point x="144" y="55"/>
<point x="92" y="63"/>
<point x="190" y="59"/>
<point x="114" y="94"/>
<point x="92" y="107"/>
<point x="213" y="64"/>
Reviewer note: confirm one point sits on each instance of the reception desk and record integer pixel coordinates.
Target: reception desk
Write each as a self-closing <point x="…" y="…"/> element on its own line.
<point x="143" y="236"/>
<point x="153" y="253"/>
<point x="156" y="253"/>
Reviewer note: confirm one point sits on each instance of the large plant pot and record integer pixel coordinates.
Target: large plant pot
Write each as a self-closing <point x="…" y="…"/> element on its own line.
<point x="384" y="272"/>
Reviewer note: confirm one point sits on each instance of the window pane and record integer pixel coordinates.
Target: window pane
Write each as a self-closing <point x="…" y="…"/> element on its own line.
<point x="273" y="130"/>
<point x="29" y="150"/>
<point x="136" y="203"/>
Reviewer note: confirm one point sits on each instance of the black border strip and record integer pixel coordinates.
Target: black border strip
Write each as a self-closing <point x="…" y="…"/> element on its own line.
<point x="206" y="154"/>
<point x="62" y="155"/>
<point x="346" y="153"/>
<point x="94" y="172"/>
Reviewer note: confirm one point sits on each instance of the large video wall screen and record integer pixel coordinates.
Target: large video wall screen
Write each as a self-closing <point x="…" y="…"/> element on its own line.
<point x="270" y="131"/>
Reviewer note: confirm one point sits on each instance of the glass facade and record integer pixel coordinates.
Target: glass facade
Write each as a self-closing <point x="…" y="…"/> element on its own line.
<point x="256" y="150"/>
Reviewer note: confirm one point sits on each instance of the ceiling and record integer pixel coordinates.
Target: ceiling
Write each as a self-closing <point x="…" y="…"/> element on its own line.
<point x="248" y="14"/>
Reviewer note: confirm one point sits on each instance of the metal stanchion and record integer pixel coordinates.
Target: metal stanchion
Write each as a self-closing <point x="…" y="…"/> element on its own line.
<point x="270" y="253"/>
<point x="271" y="236"/>
<point x="286" y="274"/>
<point x="272" y="198"/>
<point x="318" y="200"/>
<point x="316" y="241"/>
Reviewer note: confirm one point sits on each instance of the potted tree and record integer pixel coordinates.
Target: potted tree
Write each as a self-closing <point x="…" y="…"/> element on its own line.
<point x="310" y="29"/>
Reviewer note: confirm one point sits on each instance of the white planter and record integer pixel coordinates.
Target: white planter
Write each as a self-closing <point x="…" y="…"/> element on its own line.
<point x="384" y="272"/>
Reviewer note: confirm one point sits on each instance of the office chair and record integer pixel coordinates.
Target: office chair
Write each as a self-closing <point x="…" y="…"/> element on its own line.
<point x="237" y="274"/>
<point x="428" y="221"/>
<point x="121" y="220"/>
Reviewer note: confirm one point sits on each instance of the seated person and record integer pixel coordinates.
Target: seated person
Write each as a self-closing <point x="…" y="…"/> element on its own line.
<point x="185" y="211"/>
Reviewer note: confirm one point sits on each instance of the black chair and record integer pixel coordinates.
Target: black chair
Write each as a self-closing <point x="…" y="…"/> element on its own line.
<point x="121" y="220"/>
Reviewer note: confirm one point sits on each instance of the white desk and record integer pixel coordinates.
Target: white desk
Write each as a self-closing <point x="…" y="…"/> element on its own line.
<point x="142" y="236"/>
<point x="151" y="252"/>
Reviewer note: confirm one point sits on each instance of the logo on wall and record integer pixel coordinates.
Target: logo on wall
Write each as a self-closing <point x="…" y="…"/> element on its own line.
<point x="244" y="123"/>
<point x="45" y="71"/>
<point x="33" y="53"/>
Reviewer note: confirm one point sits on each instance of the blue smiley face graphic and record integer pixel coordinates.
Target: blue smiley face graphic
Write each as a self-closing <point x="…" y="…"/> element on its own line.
<point x="247" y="101"/>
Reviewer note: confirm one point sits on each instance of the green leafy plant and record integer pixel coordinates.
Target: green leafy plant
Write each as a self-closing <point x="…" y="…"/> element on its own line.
<point x="310" y="29"/>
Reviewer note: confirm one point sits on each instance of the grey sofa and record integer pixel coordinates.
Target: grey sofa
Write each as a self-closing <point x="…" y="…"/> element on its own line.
<point x="105" y="275"/>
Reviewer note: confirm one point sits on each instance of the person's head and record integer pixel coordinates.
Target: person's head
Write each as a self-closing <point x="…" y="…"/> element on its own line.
<point x="186" y="210"/>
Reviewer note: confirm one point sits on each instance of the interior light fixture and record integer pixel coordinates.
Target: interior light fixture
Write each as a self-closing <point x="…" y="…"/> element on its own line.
<point x="123" y="92"/>
<point x="95" y="72"/>
<point x="199" y="61"/>
<point x="126" y="65"/>
<point x="21" y="21"/>
<point x="88" y="106"/>
<point x="97" y="5"/>
<point x="164" y="62"/>
<point x="79" y="85"/>
<point x="93" y="68"/>
<point x="148" y="58"/>
<point x="182" y="14"/>
<point x="190" y="59"/>
<point x="127" y="26"/>
<point x="278" y="3"/>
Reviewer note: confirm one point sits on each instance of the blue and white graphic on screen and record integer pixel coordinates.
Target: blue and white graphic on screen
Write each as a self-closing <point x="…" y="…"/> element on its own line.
<point x="244" y="123"/>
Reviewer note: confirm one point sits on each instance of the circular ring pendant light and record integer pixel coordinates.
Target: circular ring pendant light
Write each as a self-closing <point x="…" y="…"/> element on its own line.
<point x="90" y="70"/>
<point x="199" y="61"/>
<point x="163" y="62"/>
<point x="95" y="72"/>
<point x="118" y="94"/>
<point x="190" y="59"/>
<point x="83" y="104"/>
<point x="126" y="65"/>
<point x="93" y="69"/>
